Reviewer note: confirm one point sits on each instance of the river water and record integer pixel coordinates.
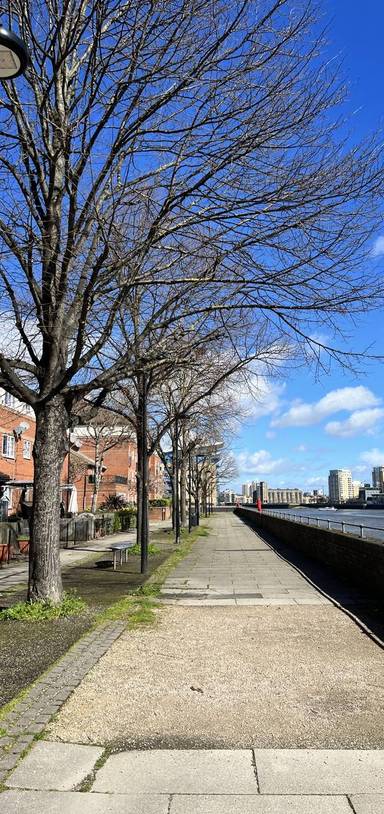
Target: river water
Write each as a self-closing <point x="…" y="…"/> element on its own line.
<point x="371" y="519"/>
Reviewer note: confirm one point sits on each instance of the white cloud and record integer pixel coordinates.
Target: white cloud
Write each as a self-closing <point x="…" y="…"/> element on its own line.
<point x="302" y="414"/>
<point x="361" y="421"/>
<point x="261" y="398"/>
<point x="373" y="457"/>
<point x="318" y="480"/>
<point x="301" y="448"/>
<point x="378" y="246"/>
<point x="259" y="463"/>
<point x="270" y="434"/>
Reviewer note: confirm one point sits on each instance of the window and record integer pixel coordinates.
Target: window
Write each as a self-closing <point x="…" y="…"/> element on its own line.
<point x="27" y="450"/>
<point x="9" y="400"/>
<point x="8" y="446"/>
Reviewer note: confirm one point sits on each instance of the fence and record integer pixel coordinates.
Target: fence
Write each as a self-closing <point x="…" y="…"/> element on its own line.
<point x="328" y="523"/>
<point x="360" y="560"/>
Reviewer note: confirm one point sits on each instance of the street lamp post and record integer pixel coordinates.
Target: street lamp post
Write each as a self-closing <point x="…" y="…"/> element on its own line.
<point x="189" y="489"/>
<point x="14" y="56"/>
<point x="176" y="484"/>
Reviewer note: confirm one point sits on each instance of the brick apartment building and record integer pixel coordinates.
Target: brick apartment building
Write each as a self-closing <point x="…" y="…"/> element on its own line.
<point x="17" y="434"/>
<point x="119" y="472"/>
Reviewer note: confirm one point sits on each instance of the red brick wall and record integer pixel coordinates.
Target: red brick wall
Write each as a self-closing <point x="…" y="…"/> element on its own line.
<point x="17" y="467"/>
<point x="120" y="461"/>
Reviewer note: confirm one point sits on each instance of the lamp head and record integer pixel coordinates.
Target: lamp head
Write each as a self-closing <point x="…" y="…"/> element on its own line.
<point x="14" y="56"/>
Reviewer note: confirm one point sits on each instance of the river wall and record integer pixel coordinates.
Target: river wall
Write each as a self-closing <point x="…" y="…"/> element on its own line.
<point x="352" y="558"/>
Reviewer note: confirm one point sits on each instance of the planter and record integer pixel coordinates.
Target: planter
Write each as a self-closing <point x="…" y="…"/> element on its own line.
<point x="4" y="552"/>
<point x="23" y="543"/>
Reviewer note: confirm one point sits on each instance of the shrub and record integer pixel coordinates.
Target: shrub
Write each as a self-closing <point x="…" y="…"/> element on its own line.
<point x="117" y="526"/>
<point x="113" y="503"/>
<point x="160" y="501"/>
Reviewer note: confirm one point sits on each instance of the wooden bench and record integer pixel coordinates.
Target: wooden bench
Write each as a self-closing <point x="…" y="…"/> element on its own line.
<point x="120" y="549"/>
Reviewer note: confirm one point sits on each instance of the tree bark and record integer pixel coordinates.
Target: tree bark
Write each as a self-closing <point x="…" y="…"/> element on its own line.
<point x="97" y="477"/>
<point x="142" y="534"/>
<point x="183" y="490"/>
<point x="49" y="451"/>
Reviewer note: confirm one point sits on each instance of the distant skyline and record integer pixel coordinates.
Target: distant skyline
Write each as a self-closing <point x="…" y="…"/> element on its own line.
<point x="302" y="428"/>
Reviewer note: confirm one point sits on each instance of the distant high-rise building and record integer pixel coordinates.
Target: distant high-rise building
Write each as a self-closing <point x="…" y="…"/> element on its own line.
<point x="340" y="485"/>
<point x="262" y="491"/>
<point x="356" y="486"/>
<point x="229" y="496"/>
<point x="246" y="490"/>
<point x="378" y="478"/>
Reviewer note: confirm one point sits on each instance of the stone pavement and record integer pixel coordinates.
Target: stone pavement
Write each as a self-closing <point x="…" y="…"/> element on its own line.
<point x="204" y="713"/>
<point x="235" y="567"/>
<point x="77" y="779"/>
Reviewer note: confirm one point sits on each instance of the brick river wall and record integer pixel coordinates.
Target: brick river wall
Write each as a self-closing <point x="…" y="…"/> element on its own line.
<point x="355" y="559"/>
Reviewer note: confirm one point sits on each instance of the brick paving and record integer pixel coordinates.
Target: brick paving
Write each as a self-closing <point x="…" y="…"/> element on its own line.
<point x="28" y="719"/>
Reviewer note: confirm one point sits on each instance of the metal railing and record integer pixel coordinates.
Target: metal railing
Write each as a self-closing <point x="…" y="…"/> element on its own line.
<point x="329" y="523"/>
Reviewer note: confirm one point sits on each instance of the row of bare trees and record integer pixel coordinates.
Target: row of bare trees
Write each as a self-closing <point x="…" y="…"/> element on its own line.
<point x="175" y="182"/>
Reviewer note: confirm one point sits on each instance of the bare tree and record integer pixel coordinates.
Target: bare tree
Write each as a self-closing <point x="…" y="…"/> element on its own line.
<point x="102" y="432"/>
<point x="203" y="131"/>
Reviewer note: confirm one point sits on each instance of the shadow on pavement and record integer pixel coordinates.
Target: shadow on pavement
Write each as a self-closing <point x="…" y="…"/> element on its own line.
<point x="368" y="608"/>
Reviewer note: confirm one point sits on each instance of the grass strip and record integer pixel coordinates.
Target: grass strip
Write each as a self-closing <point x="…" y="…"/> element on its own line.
<point x="139" y="608"/>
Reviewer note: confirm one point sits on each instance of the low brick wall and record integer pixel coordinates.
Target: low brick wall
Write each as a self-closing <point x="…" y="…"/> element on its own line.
<point x="356" y="560"/>
<point x="159" y="513"/>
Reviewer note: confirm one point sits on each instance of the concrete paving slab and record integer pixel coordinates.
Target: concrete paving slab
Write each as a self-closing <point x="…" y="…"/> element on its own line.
<point x="258" y="804"/>
<point x="54" y="766"/>
<point x="368" y="803"/>
<point x="320" y="771"/>
<point x="67" y="802"/>
<point x="189" y="771"/>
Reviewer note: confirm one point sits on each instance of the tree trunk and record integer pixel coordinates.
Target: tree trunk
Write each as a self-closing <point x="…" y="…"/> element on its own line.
<point x="142" y="534"/>
<point x="183" y="490"/>
<point x="97" y="477"/>
<point x="49" y="451"/>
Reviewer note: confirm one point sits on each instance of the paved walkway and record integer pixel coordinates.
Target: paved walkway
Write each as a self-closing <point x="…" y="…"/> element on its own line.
<point x="261" y="698"/>
<point x="236" y="567"/>
<point x="16" y="573"/>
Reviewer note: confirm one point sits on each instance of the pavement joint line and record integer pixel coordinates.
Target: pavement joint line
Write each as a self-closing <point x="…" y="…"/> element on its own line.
<point x="352" y="807"/>
<point x="255" y="771"/>
<point x="30" y="717"/>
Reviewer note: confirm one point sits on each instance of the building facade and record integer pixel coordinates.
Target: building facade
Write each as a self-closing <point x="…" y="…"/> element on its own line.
<point x="340" y="485"/>
<point x="118" y="477"/>
<point x="285" y="496"/>
<point x="378" y="478"/>
<point x="17" y="435"/>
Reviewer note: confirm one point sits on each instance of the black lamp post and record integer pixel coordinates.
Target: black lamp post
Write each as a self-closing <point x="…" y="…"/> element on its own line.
<point x="14" y="56"/>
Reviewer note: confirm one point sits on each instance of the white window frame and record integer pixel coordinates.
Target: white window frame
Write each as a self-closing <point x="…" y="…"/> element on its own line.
<point x="8" y="446"/>
<point x="9" y="400"/>
<point x="27" y="446"/>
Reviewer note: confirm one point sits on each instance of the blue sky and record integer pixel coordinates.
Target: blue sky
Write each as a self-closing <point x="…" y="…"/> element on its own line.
<point x="301" y="427"/>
